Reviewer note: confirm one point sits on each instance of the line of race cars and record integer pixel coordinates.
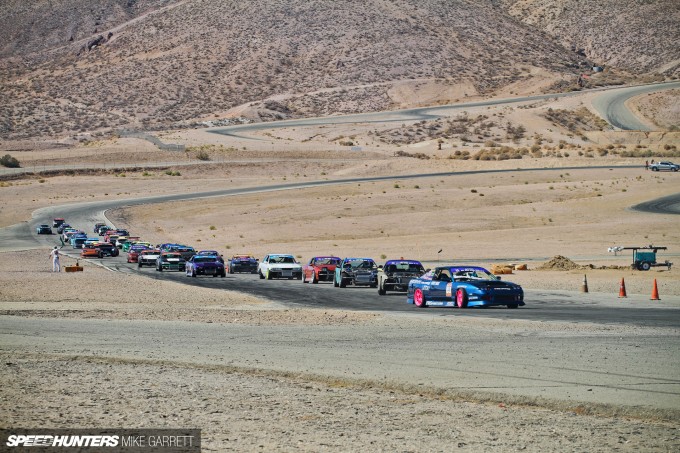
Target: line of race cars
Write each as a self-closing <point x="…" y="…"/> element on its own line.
<point x="443" y="286"/>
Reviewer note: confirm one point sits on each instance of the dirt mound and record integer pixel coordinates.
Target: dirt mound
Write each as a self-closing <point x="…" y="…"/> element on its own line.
<point x="558" y="263"/>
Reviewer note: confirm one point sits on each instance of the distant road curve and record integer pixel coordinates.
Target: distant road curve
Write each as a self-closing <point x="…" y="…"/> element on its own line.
<point x="665" y="205"/>
<point x="21" y="237"/>
<point x="611" y="106"/>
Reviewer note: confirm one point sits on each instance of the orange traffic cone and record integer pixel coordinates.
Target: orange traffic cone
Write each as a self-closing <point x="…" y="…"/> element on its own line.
<point x="622" y="289"/>
<point x="655" y="292"/>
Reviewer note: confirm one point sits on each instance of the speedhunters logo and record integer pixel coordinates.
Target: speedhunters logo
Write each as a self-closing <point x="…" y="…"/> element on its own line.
<point x="34" y="440"/>
<point x="110" y="440"/>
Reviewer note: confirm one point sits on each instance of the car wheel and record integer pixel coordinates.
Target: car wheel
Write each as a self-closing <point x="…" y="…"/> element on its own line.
<point x="343" y="283"/>
<point x="159" y="268"/>
<point x="223" y="274"/>
<point x="304" y="277"/>
<point x="269" y="275"/>
<point x="261" y="276"/>
<point x="315" y="279"/>
<point x="231" y="270"/>
<point x="139" y="265"/>
<point x="335" y="282"/>
<point x="461" y="298"/>
<point x="645" y="266"/>
<point x="513" y="305"/>
<point x="419" y="298"/>
<point x="100" y="255"/>
<point x="381" y="290"/>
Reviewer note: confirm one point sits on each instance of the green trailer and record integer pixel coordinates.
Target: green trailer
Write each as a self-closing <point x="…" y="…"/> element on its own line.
<point x="644" y="258"/>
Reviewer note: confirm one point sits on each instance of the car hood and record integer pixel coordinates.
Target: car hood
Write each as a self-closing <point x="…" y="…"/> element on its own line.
<point x="488" y="285"/>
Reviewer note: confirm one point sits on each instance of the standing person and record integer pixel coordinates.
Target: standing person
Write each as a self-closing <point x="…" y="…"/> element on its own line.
<point x="54" y="254"/>
<point x="646" y="165"/>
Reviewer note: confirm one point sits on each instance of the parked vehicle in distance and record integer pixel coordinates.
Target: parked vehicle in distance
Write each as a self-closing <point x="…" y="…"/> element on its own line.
<point x="279" y="266"/>
<point x="204" y="265"/>
<point x="243" y="263"/>
<point x="97" y="226"/>
<point x="320" y="269"/>
<point x="148" y="257"/>
<point x="395" y="275"/>
<point x="57" y="222"/>
<point x="356" y="271"/>
<point x="170" y="261"/>
<point x="463" y="286"/>
<point x="664" y="166"/>
<point x="43" y="229"/>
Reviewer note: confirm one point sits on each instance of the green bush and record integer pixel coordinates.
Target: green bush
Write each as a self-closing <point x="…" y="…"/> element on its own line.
<point x="9" y="161"/>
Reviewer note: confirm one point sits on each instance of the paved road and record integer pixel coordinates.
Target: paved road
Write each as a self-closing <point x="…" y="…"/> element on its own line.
<point x="665" y="205"/>
<point x="618" y="367"/>
<point x="611" y="105"/>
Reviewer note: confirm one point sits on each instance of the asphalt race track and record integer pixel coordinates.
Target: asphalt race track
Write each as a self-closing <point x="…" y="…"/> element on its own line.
<point x="541" y="305"/>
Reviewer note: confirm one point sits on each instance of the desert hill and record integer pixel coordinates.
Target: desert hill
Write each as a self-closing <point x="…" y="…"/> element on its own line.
<point x="639" y="36"/>
<point x="101" y="65"/>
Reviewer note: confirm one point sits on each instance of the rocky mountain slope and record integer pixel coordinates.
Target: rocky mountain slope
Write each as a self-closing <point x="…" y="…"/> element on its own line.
<point x="639" y="36"/>
<point x="100" y="65"/>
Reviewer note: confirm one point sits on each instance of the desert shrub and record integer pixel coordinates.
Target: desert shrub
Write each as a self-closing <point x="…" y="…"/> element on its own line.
<point x="9" y="161"/>
<point x="202" y="155"/>
<point x="414" y="155"/>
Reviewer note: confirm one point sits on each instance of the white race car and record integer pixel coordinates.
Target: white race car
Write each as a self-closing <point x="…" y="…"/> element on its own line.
<point x="148" y="257"/>
<point x="279" y="266"/>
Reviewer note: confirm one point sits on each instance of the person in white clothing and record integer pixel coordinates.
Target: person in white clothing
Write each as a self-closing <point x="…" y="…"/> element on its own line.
<point x="54" y="254"/>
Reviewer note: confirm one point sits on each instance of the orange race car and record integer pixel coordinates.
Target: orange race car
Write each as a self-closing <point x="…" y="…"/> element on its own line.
<point x="91" y="251"/>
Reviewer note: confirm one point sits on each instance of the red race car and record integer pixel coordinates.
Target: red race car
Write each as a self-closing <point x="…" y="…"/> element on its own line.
<point x="320" y="269"/>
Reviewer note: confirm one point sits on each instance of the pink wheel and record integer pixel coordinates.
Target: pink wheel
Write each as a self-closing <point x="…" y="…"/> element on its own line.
<point x="461" y="298"/>
<point x="419" y="298"/>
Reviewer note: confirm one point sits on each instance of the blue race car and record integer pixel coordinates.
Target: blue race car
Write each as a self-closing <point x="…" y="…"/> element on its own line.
<point x="463" y="286"/>
<point x="204" y="265"/>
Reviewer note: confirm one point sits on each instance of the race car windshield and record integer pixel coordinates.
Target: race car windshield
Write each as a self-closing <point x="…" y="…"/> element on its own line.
<point x="327" y="261"/>
<point x="405" y="267"/>
<point x="362" y="264"/>
<point x="283" y="259"/>
<point x="204" y="259"/>
<point x="473" y="274"/>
